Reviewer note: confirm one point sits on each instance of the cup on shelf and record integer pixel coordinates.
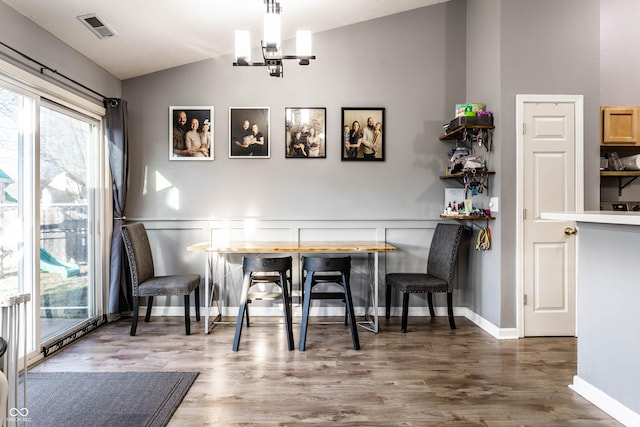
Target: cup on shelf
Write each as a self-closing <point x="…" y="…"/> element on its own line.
<point x="614" y="162"/>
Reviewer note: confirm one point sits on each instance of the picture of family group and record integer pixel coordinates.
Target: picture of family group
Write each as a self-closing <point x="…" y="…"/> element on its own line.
<point x="191" y="133"/>
<point x="363" y="134"/>
<point x="249" y="133"/>
<point x="305" y="132"/>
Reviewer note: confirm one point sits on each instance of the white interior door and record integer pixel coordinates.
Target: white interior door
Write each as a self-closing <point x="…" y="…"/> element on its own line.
<point x="551" y="154"/>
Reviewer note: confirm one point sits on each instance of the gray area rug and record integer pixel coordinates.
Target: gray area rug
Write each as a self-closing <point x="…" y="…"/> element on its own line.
<point x="70" y="399"/>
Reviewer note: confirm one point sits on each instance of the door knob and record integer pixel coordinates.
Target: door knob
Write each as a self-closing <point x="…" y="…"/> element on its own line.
<point x="570" y="231"/>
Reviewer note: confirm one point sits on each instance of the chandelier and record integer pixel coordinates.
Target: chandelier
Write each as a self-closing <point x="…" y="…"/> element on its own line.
<point x="271" y="50"/>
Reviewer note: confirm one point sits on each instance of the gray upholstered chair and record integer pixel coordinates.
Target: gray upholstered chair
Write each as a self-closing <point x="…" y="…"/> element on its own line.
<point x="440" y="275"/>
<point x="144" y="282"/>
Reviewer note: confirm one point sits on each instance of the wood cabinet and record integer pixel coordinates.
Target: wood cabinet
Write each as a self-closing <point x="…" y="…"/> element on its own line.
<point x="620" y="125"/>
<point x="619" y="133"/>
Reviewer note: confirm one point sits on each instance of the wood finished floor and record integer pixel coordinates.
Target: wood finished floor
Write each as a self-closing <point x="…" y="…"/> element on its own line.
<point x="430" y="376"/>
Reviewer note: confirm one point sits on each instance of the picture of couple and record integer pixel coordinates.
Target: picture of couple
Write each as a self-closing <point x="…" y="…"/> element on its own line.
<point x="191" y="133"/>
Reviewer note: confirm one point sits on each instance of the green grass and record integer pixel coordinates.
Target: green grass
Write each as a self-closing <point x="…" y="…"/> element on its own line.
<point x="56" y="291"/>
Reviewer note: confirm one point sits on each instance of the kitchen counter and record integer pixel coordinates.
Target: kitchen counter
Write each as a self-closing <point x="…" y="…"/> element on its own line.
<point x="608" y="291"/>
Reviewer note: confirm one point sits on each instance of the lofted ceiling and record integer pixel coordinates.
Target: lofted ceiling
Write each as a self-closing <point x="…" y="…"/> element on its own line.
<point x="153" y="35"/>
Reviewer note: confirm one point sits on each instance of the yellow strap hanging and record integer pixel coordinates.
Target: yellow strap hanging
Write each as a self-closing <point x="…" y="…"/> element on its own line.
<point x="484" y="239"/>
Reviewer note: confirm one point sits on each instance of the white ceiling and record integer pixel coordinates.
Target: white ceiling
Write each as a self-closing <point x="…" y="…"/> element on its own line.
<point x="154" y="35"/>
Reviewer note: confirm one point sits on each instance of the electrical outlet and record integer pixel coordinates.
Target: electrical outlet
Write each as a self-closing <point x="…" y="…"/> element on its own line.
<point x="494" y="204"/>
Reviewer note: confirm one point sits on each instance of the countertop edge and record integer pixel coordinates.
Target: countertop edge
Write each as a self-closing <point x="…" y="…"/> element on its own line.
<point x="603" y="217"/>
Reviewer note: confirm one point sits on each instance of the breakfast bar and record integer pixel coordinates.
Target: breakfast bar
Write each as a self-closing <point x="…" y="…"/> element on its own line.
<point x="608" y="291"/>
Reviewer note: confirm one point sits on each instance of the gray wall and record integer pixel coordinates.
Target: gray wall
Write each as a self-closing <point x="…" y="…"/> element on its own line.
<point x="23" y="35"/>
<point x="619" y="62"/>
<point x="417" y="65"/>
<point x="480" y="51"/>
<point x="547" y="47"/>
<point x="483" y="83"/>
<point x="355" y="67"/>
<point x="619" y="71"/>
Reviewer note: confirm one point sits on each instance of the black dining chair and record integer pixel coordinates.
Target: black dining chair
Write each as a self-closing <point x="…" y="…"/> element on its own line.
<point x="144" y="282"/>
<point x="440" y="275"/>
<point x="258" y="270"/>
<point x="325" y="270"/>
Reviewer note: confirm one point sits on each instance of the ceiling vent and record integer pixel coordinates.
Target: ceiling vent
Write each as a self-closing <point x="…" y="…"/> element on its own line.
<point x="96" y="25"/>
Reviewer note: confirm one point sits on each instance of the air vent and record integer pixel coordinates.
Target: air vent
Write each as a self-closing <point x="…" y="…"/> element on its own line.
<point x="96" y="25"/>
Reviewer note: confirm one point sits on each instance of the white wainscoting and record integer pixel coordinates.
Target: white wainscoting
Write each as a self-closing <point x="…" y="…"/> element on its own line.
<point x="169" y="239"/>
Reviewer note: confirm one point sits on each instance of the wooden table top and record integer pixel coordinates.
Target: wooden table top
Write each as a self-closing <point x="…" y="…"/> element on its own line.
<point x="309" y="246"/>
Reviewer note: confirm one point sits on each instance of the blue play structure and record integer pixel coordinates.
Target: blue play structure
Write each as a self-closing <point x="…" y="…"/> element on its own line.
<point x="51" y="264"/>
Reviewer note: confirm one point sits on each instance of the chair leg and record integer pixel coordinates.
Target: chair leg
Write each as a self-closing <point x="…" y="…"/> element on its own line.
<point x="288" y="318"/>
<point x="387" y="302"/>
<point x="242" y="308"/>
<point x="246" y="312"/>
<point x="430" y="302"/>
<point x="147" y="316"/>
<point x="405" y="312"/>
<point x="346" y="314"/>
<point x="306" y="303"/>
<point x="197" y="302"/>
<point x="452" y="323"/>
<point x="134" y="316"/>
<point x="352" y="317"/>
<point x="187" y="318"/>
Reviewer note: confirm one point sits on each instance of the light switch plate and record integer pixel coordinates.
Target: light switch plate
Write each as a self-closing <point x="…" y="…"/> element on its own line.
<point x="494" y="204"/>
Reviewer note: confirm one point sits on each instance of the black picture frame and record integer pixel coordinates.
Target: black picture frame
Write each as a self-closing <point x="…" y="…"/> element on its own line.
<point x="182" y="144"/>
<point x="305" y="132"/>
<point x="370" y="145"/>
<point x="241" y="144"/>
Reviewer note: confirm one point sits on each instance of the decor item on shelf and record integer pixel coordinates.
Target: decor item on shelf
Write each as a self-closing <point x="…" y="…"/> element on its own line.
<point x="468" y="109"/>
<point x="190" y="133"/>
<point x="363" y="134"/>
<point x="614" y="162"/>
<point x="631" y="163"/>
<point x="271" y="49"/>
<point x="453" y="198"/>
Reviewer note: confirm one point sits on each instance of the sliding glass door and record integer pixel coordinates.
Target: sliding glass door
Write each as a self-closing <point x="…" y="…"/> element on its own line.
<point x="17" y="198"/>
<point x="49" y="170"/>
<point x="66" y="285"/>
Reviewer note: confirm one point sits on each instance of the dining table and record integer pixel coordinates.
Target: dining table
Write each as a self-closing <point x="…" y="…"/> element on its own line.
<point x="216" y="271"/>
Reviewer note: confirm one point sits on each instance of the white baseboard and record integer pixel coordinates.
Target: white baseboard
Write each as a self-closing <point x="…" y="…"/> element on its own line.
<point x="338" y="310"/>
<point x="496" y="332"/>
<point x="605" y="402"/>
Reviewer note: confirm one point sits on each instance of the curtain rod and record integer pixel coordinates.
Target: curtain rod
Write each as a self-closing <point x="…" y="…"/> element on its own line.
<point x="44" y="68"/>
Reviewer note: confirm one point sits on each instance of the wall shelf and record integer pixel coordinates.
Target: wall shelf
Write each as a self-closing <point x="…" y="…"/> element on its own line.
<point x="461" y="175"/>
<point x="467" y="217"/>
<point x="468" y="178"/>
<point x="632" y="175"/>
<point x="458" y="133"/>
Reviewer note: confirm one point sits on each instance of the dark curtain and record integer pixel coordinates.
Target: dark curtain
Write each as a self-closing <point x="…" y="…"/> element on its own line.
<point x="118" y="142"/>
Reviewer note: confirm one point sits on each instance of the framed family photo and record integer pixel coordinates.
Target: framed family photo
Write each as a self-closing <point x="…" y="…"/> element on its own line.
<point x="190" y="133"/>
<point x="305" y="131"/>
<point x="249" y="133"/>
<point x="363" y="134"/>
